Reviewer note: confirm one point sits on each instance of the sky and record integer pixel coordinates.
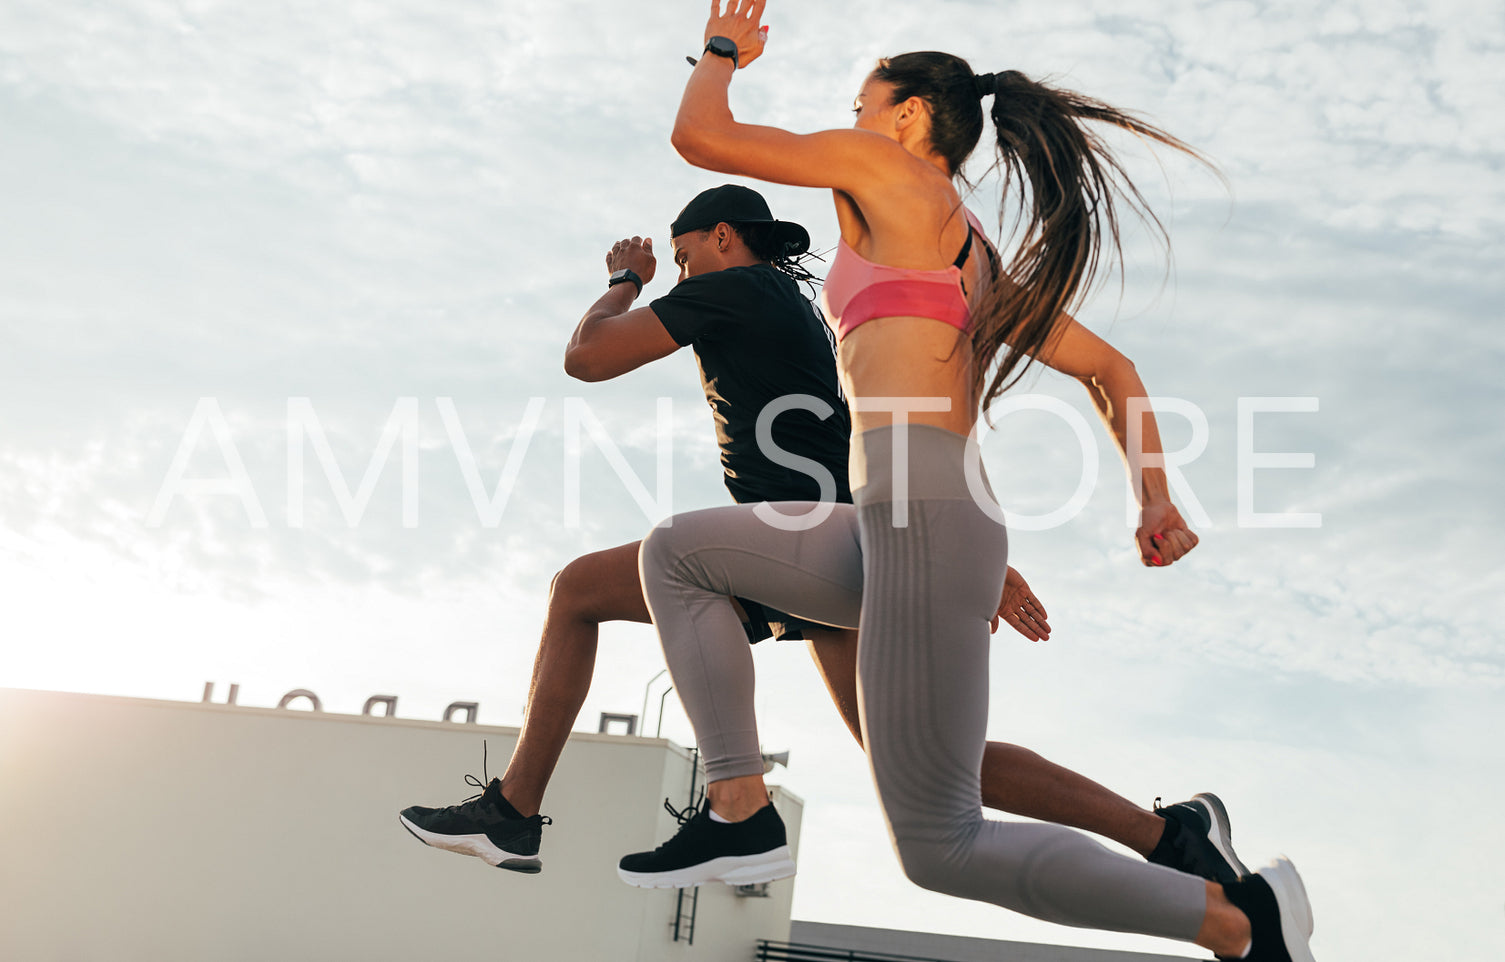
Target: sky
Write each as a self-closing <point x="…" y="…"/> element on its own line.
<point x="378" y="222"/>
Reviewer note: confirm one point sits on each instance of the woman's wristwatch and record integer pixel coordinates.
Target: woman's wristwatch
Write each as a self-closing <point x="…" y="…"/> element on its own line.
<point x="723" y="47"/>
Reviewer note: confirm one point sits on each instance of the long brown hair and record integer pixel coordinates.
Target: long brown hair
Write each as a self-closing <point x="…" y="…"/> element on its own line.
<point x="1066" y="179"/>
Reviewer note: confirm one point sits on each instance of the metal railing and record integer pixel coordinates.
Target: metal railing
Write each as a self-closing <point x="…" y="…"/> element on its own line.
<point x="799" y="952"/>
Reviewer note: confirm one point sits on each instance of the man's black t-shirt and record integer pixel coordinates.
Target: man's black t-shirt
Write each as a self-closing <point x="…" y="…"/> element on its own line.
<point x="758" y="340"/>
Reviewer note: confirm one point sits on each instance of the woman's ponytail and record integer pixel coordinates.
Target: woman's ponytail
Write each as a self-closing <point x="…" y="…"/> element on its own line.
<point x="1068" y="182"/>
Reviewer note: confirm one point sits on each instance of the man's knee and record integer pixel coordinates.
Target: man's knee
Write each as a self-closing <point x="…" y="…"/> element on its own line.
<point x="590" y="585"/>
<point x="569" y="585"/>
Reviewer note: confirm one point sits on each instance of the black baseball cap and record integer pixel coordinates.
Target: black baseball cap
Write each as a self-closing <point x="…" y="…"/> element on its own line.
<point x="735" y="204"/>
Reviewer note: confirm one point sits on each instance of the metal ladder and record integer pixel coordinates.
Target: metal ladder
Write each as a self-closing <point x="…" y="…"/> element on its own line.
<point x="688" y="899"/>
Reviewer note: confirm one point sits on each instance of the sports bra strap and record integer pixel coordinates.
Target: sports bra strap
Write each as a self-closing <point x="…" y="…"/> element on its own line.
<point x="966" y="249"/>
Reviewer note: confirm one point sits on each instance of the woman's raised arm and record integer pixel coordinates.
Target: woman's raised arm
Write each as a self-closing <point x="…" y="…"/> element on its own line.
<point x="707" y="135"/>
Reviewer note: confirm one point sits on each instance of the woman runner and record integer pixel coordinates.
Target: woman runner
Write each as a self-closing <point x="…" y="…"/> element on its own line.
<point x="931" y="328"/>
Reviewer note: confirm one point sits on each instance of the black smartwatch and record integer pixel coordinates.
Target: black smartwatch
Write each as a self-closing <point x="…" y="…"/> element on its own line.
<point x="623" y="276"/>
<point x="723" y="47"/>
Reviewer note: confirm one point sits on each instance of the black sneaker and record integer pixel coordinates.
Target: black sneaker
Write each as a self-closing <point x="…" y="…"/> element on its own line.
<point x="1198" y="840"/>
<point x="484" y="825"/>
<point x="737" y="853"/>
<point x="1280" y="915"/>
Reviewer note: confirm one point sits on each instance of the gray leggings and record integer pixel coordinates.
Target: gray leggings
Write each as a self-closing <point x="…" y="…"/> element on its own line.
<point x="924" y="592"/>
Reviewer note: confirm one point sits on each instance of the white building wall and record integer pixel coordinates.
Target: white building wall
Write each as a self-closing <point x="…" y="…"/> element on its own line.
<point x="158" y="831"/>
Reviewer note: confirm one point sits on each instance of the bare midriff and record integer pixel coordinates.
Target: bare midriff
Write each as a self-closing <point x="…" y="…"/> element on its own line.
<point x="907" y="358"/>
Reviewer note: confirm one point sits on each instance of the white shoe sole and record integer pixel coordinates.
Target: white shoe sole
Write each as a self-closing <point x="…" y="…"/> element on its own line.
<point x="1296" y="923"/>
<point x="1221" y="833"/>
<point x="732" y="869"/>
<point x="478" y="845"/>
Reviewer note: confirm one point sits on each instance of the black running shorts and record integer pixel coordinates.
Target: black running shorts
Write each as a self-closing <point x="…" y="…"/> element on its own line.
<point x="764" y="622"/>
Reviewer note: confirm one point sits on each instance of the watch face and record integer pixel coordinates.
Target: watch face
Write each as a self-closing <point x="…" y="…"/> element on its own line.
<point x="722" y="47"/>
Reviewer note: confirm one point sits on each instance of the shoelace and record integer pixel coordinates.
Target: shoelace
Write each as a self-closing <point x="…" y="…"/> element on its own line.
<point x="481" y="782"/>
<point x="474" y="782"/>
<point x="485" y="781"/>
<point x="683" y="816"/>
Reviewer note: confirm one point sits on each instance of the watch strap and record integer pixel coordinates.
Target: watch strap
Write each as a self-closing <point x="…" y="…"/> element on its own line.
<point x="724" y="47"/>
<point x="623" y="276"/>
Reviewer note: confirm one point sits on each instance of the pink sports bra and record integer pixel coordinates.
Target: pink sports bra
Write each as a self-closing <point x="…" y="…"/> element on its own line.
<point x="857" y="290"/>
